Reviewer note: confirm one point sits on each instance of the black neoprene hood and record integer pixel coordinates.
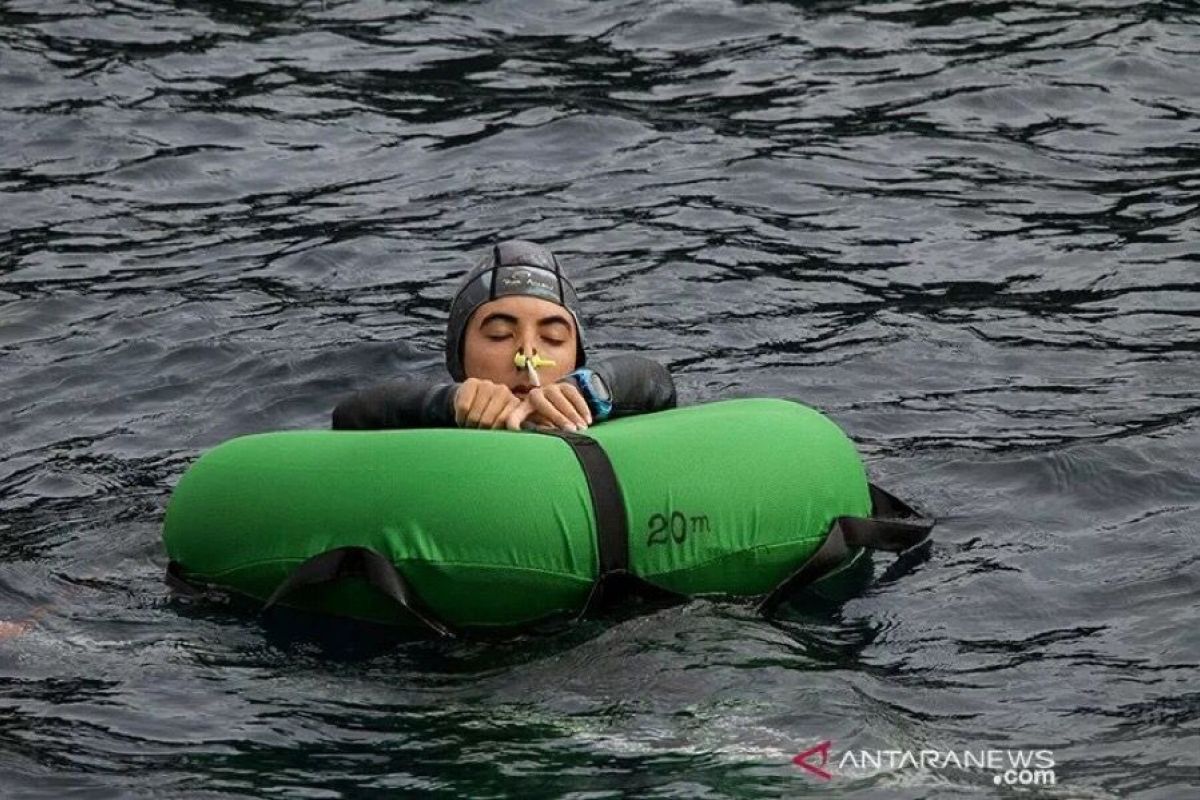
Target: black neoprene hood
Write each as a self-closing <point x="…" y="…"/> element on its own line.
<point x="514" y="267"/>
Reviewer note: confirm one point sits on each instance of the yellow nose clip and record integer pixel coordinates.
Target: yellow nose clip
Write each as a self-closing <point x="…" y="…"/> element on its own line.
<point x="535" y="361"/>
<point x="532" y="363"/>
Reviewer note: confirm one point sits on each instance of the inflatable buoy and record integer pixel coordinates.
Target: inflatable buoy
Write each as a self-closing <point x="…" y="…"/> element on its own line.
<point x="454" y="529"/>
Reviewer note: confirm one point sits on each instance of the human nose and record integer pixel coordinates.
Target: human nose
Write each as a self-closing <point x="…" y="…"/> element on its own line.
<point x="527" y="345"/>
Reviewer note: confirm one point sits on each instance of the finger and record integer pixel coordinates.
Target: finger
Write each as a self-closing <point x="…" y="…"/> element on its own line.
<point x="487" y="401"/>
<point x="501" y="420"/>
<point x="496" y="403"/>
<point x="517" y="417"/>
<point x="563" y="405"/>
<point x="547" y="409"/>
<point x="536" y="421"/>
<point x="463" y="399"/>
<point x="479" y="405"/>
<point x="575" y="397"/>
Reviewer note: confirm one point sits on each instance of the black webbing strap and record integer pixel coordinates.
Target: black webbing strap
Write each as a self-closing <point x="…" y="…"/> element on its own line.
<point x="614" y="580"/>
<point x="894" y="526"/>
<point x="176" y="581"/>
<point x="886" y="504"/>
<point x="612" y="529"/>
<point x="364" y="563"/>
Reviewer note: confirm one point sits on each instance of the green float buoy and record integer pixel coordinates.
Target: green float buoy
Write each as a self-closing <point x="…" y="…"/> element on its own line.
<point x="465" y="529"/>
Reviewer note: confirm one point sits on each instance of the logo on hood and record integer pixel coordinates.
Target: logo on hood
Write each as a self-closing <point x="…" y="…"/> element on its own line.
<point x="523" y="280"/>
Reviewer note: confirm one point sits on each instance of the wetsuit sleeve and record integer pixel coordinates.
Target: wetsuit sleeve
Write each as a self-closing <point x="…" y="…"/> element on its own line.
<point x="401" y="404"/>
<point x="638" y="385"/>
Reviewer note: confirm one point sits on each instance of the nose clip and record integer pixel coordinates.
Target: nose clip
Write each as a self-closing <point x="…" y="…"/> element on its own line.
<point x="532" y="363"/>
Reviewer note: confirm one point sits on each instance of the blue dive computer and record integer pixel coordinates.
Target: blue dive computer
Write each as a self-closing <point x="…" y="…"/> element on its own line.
<point x="595" y="392"/>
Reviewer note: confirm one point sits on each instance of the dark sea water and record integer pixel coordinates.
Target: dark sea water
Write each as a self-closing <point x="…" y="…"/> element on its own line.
<point x="968" y="231"/>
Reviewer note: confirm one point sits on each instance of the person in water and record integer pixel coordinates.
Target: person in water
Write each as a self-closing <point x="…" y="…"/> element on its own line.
<point x="515" y="351"/>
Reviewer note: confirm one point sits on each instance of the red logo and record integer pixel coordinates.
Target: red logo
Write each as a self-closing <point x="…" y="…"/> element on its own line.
<point x="821" y="750"/>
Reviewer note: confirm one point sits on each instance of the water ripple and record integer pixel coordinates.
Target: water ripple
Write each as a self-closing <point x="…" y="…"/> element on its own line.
<point x="964" y="230"/>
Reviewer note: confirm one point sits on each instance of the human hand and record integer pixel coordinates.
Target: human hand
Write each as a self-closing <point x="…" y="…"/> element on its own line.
<point x="481" y="403"/>
<point x="557" y="405"/>
<point x="10" y="629"/>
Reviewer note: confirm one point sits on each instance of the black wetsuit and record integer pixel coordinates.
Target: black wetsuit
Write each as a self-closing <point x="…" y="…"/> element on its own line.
<point x="637" y="385"/>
